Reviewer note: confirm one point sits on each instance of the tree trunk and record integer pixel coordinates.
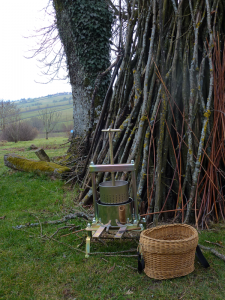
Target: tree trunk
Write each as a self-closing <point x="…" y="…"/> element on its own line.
<point x="80" y="33"/>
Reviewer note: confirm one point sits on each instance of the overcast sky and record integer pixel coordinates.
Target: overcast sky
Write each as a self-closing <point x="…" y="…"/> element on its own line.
<point x="19" y="18"/>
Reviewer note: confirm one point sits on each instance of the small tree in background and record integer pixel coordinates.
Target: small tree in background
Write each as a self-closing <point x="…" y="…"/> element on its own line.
<point x="37" y="123"/>
<point x="9" y="113"/>
<point x="49" y="118"/>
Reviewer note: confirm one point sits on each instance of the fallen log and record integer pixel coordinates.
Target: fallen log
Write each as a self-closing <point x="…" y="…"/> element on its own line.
<point x="21" y="163"/>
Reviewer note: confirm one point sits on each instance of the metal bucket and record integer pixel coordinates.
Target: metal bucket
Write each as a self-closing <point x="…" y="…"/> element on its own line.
<point x="112" y="212"/>
<point x="110" y="194"/>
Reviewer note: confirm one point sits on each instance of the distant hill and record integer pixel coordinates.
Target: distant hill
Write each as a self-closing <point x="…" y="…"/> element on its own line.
<point x="61" y="102"/>
<point x="23" y="100"/>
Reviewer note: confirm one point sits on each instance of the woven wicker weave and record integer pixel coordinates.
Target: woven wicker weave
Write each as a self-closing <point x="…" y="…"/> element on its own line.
<point x="169" y="250"/>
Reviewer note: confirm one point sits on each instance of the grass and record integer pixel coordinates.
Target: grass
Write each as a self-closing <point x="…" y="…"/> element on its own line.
<point x="35" y="267"/>
<point x="63" y="135"/>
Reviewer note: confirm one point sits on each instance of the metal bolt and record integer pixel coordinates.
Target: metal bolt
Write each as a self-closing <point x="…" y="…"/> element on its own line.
<point x="88" y="225"/>
<point x="128" y="220"/>
<point x="132" y="162"/>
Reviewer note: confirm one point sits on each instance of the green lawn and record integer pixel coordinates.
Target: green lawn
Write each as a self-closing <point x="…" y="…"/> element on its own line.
<point x="34" y="266"/>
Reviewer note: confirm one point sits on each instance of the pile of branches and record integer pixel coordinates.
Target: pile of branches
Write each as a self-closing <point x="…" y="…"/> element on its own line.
<point x="168" y="101"/>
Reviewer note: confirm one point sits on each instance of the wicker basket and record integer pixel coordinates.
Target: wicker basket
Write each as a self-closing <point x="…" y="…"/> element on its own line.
<point x="169" y="250"/>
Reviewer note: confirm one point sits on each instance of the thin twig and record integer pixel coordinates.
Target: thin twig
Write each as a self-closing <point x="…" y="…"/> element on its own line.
<point x="48" y="189"/>
<point x="73" y="232"/>
<point x="64" y="219"/>
<point x="81" y="244"/>
<point x="105" y="260"/>
<point x="219" y="255"/>
<point x="103" y="242"/>
<point x="217" y="244"/>
<point x="121" y="255"/>
<point x="111" y="253"/>
<point x="127" y="267"/>
<point x="67" y="245"/>
<point x="64" y="143"/>
<point x="38" y="222"/>
<point x="64" y="227"/>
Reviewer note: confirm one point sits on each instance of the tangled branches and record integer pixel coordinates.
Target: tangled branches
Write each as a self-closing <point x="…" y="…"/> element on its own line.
<point x="172" y="74"/>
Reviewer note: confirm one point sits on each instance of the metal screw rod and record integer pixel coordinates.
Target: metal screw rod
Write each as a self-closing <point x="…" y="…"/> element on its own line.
<point x="111" y="149"/>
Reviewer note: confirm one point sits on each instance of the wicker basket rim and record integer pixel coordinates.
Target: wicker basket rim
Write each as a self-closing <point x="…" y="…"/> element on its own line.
<point x="195" y="233"/>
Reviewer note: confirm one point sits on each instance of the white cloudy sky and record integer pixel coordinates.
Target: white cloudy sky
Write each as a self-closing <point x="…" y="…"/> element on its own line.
<point x="19" y="18"/>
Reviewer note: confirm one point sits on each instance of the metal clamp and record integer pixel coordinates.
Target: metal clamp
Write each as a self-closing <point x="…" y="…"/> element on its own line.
<point x="121" y="231"/>
<point x="101" y="229"/>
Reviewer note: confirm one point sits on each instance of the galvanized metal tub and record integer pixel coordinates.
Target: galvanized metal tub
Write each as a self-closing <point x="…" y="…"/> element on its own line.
<point x="110" y="194"/>
<point x="112" y="211"/>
